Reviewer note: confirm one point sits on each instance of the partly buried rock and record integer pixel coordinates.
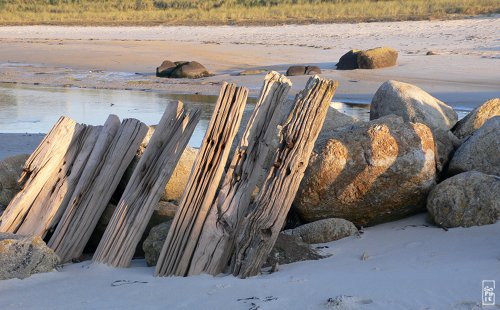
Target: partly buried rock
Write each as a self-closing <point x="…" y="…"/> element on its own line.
<point x="182" y="69"/>
<point x="413" y="104"/>
<point x="379" y="57"/>
<point x="154" y="242"/>
<point x="288" y="248"/>
<point x="324" y="230"/>
<point x="480" y="152"/>
<point x="475" y="119"/>
<point x="22" y="256"/>
<point x="303" y="70"/>
<point x="10" y="171"/>
<point x="178" y="181"/>
<point x="253" y="72"/>
<point x="165" y="69"/>
<point x="369" y="173"/>
<point x="467" y="199"/>
<point x="375" y="58"/>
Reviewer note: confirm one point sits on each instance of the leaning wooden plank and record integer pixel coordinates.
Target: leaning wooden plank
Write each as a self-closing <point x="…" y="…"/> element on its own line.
<point x="39" y="169"/>
<point x="202" y="185"/>
<point x="49" y="205"/>
<point x="144" y="189"/>
<point x="259" y="230"/>
<point x="63" y="128"/>
<point x="248" y="167"/>
<point x="113" y="152"/>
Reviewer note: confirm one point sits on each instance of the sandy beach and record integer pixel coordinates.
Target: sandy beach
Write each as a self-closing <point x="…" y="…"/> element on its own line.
<point x="405" y="264"/>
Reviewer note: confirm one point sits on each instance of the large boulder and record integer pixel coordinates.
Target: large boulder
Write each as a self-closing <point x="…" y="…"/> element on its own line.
<point x="475" y="119"/>
<point x="467" y="199"/>
<point x="480" y="152"/>
<point x="153" y="244"/>
<point x="190" y="70"/>
<point x="178" y="181"/>
<point x="413" y="104"/>
<point x="22" y="256"/>
<point x="324" y="230"/>
<point x="379" y="57"/>
<point x="369" y="173"/>
<point x="10" y="171"/>
<point x="303" y="70"/>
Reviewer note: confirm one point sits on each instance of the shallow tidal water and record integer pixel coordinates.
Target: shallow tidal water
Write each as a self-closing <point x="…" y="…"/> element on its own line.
<point x="35" y="109"/>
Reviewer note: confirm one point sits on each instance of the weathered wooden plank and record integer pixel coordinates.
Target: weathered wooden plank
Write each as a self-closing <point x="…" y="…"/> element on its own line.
<point x="114" y="150"/>
<point x="39" y="171"/>
<point x="200" y="191"/>
<point x="144" y="189"/>
<point x="248" y="167"/>
<point x="260" y="228"/>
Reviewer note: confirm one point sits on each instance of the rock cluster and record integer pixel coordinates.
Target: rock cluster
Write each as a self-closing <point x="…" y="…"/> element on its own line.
<point x="303" y="70"/>
<point x="182" y="69"/>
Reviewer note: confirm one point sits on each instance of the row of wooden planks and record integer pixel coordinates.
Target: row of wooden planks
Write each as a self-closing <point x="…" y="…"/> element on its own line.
<point x="69" y="179"/>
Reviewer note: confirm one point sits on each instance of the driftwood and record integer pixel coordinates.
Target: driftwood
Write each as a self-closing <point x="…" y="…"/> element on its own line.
<point x="48" y="177"/>
<point x="248" y="167"/>
<point x="201" y="188"/>
<point x="114" y="150"/>
<point x="260" y="228"/>
<point x="144" y="189"/>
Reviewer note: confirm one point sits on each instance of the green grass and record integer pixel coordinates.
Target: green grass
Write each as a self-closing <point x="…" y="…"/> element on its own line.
<point x="205" y="12"/>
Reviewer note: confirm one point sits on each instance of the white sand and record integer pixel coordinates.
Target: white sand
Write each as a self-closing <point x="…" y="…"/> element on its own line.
<point x="409" y="266"/>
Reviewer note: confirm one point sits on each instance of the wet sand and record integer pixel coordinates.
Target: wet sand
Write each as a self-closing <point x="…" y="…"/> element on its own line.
<point x="464" y="73"/>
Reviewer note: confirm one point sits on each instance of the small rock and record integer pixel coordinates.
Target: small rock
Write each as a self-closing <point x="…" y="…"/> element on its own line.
<point x="476" y="118"/>
<point x="289" y="249"/>
<point x="296" y="70"/>
<point x="322" y="231"/>
<point x="467" y="199"/>
<point x="303" y="70"/>
<point x="153" y="244"/>
<point x="480" y="152"/>
<point x="413" y="104"/>
<point x="182" y="69"/>
<point x="431" y="53"/>
<point x="22" y="256"/>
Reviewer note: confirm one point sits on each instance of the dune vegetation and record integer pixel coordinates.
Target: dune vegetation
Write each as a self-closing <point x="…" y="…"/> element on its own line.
<point x="243" y="12"/>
